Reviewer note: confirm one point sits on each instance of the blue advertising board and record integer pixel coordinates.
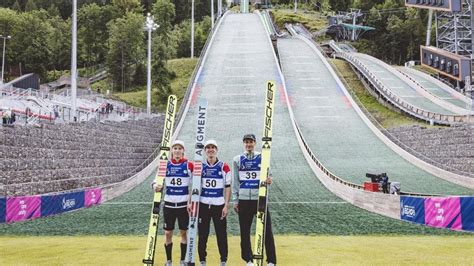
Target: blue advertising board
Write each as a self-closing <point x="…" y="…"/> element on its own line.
<point x="412" y="209"/>
<point x="3" y="209"/>
<point x="54" y="204"/>
<point x="467" y="213"/>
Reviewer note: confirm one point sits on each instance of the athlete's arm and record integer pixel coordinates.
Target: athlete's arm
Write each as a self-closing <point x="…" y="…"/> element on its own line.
<point x="235" y="183"/>
<point x="227" y="189"/>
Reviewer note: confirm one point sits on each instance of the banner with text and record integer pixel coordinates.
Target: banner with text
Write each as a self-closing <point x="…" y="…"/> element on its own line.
<point x="456" y="213"/>
<point x="23" y="208"/>
<point x="412" y="209"/>
<point x="467" y="213"/>
<point x="443" y="213"/>
<point x="3" y="209"/>
<point x="93" y="197"/>
<point x="15" y="209"/>
<point x="54" y="204"/>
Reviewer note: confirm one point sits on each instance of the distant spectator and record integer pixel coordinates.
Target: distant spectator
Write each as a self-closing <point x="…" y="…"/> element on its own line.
<point x="4" y="117"/>
<point x="8" y="115"/>
<point x="384" y="183"/>
<point x="56" y="112"/>
<point x="12" y="118"/>
<point x="111" y="108"/>
<point x="89" y="91"/>
<point x="28" y="112"/>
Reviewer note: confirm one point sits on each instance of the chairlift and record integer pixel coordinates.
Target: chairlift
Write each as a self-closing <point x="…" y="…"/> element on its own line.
<point x="436" y="62"/>
<point x="449" y="66"/>
<point x="456" y="69"/>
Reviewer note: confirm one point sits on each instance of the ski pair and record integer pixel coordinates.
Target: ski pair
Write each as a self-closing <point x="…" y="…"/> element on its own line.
<point x="161" y="174"/>
<point x="164" y="155"/>
<point x="264" y="173"/>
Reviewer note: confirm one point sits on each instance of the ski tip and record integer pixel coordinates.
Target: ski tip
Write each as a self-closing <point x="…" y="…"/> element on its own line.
<point x="147" y="262"/>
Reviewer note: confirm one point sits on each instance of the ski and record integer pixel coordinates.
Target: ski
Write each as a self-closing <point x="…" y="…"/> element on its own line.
<point x="159" y="179"/>
<point x="196" y="182"/>
<point x="264" y="171"/>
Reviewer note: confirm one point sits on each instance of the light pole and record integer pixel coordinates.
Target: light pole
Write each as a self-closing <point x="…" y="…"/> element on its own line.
<point x="74" y="59"/>
<point x="192" y="29"/>
<point x="3" y="57"/>
<point x="212" y="14"/>
<point x="150" y="26"/>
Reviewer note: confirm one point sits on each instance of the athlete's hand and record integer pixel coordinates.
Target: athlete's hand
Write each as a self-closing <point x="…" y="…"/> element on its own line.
<point x="224" y="212"/>
<point x="269" y="180"/>
<point x="189" y="208"/>
<point x="236" y="207"/>
<point x="157" y="188"/>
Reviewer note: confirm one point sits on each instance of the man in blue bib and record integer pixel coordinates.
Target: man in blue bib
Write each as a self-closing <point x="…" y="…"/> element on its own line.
<point x="214" y="201"/>
<point x="246" y="169"/>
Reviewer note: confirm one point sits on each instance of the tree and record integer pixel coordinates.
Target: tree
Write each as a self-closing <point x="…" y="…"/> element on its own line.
<point x="93" y="33"/>
<point x="126" y="48"/>
<point x="8" y="21"/>
<point x="31" y="44"/>
<point x="53" y="11"/>
<point x="60" y="43"/>
<point x="126" y="6"/>
<point x="183" y="10"/>
<point x="182" y="34"/>
<point x="16" y="6"/>
<point x="30" y="6"/>
<point x="139" y="78"/>
<point x="164" y="47"/>
<point x="340" y="5"/>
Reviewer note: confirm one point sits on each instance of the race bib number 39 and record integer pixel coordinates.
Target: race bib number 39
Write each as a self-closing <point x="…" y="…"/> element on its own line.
<point x="249" y="175"/>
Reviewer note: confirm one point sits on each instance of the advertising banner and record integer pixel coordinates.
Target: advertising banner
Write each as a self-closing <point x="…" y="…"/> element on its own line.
<point x="443" y="212"/>
<point x="93" y="197"/>
<point x="3" y="209"/>
<point x="23" y="208"/>
<point x="412" y="209"/>
<point x="54" y="204"/>
<point x="467" y="213"/>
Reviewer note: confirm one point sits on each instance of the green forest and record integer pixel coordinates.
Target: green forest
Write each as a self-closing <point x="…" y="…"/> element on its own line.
<point x="399" y="31"/>
<point x="111" y="35"/>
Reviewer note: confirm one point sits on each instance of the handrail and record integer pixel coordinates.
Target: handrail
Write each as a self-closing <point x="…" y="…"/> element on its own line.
<point x="436" y="171"/>
<point x="447" y="105"/>
<point x="395" y="139"/>
<point x="419" y="88"/>
<point x="396" y="101"/>
<point x="441" y="84"/>
<point x="313" y="157"/>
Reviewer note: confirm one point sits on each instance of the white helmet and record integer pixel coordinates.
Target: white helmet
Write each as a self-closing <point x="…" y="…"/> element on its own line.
<point x="178" y="142"/>
<point x="211" y="142"/>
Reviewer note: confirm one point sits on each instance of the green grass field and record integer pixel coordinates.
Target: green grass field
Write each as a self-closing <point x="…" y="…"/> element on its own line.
<point x="182" y="67"/>
<point x="291" y="250"/>
<point x="324" y="214"/>
<point x="313" y="21"/>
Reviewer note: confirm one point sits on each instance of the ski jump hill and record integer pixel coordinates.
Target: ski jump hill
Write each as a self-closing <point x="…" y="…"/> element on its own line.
<point x="323" y="145"/>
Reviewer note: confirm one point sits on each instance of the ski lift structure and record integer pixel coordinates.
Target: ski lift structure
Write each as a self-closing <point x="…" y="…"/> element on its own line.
<point x="453" y="23"/>
<point x="344" y="25"/>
